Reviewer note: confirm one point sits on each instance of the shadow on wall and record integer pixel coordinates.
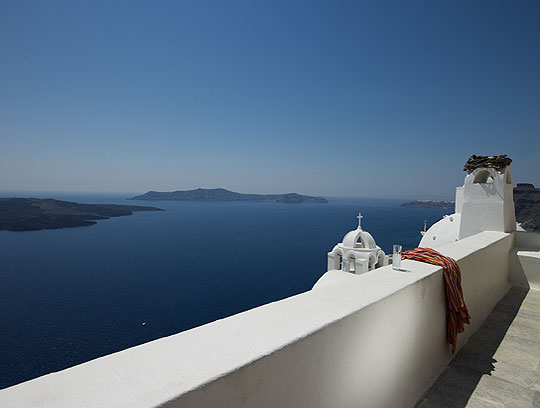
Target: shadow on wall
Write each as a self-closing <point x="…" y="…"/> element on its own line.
<point x="457" y="383"/>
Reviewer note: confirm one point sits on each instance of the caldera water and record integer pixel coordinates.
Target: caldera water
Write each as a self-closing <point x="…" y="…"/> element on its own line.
<point x="74" y="294"/>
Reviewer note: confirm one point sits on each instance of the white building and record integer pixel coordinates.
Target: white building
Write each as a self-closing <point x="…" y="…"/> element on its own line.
<point x="357" y="253"/>
<point x="485" y="202"/>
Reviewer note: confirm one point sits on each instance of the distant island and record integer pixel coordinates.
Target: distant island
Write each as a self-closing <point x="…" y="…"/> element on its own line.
<point x="526" y="203"/>
<point x="32" y="214"/>
<point x="430" y="204"/>
<point x="220" y="194"/>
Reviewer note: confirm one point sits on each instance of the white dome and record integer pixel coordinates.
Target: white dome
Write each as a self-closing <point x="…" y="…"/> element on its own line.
<point x="359" y="239"/>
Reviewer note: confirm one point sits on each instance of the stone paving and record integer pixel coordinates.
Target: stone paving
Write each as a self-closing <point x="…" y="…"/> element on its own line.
<point x="500" y="365"/>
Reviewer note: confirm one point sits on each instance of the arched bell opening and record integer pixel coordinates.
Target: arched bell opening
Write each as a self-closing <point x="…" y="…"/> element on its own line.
<point x="380" y="260"/>
<point x="359" y="242"/>
<point x="483" y="177"/>
<point x="372" y="262"/>
<point x="339" y="261"/>
<point x="352" y="265"/>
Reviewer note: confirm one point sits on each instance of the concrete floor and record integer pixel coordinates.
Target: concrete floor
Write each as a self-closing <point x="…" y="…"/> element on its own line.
<point x="500" y="365"/>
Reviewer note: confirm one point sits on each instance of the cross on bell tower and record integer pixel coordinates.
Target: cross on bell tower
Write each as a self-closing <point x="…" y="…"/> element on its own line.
<point x="360" y="216"/>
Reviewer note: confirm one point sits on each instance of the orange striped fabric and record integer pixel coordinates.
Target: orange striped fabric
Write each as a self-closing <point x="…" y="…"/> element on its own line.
<point x="457" y="314"/>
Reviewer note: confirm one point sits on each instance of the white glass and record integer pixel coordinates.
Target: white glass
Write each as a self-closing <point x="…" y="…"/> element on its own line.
<point x="396" y="257"/>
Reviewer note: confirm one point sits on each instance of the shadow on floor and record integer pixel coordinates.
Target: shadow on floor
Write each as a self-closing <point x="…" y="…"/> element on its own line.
<point x="457" y="383"/>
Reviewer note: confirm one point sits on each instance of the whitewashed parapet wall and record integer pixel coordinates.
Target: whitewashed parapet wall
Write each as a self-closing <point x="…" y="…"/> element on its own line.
<point x="371" y="340"/>
<point x="525" y="260"/>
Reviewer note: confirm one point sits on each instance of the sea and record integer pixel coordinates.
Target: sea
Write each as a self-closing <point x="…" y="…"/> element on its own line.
<point x="74" y="294"/>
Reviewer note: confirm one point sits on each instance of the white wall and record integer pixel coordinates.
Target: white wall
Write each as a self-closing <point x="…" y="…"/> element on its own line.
<point x="527" y="240"/>
<point x="373" y="340"/>
<point x="525" y="260"/>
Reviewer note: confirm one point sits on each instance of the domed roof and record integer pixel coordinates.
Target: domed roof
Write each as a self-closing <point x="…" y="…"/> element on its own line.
<point x="359" y="239"/>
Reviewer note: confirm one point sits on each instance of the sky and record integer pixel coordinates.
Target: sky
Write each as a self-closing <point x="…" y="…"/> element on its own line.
<point x="334" y="98"/>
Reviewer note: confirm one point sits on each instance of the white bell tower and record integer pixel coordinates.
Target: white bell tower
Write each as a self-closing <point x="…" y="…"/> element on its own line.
<point x="485" y="202"/>
<point x="357" y="253"/>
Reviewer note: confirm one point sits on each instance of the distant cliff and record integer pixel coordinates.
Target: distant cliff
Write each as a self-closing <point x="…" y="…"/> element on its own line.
<point x="31" y="214"/>
<point x="220" y="194"/>
<point x="430" y="204"/>
<point x="527" y="204"/>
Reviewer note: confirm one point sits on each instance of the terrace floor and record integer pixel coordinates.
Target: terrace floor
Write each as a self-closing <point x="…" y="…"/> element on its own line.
<point x="500" y="365"/>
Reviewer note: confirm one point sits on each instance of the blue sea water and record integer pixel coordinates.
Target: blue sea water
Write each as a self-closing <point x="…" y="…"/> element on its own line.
<point x="74" y="294"/>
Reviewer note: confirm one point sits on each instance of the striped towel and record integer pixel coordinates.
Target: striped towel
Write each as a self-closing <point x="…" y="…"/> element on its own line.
<point x="457" y="314"/>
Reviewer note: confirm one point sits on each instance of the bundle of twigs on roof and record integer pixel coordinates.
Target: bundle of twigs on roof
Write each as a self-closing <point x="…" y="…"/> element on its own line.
<point x="495" y="162"/>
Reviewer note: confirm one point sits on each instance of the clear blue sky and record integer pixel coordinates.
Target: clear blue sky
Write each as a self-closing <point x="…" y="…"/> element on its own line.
<point x="336" y="98"/>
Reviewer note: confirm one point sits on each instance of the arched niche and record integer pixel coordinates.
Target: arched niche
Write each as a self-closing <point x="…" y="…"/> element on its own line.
<point x="483" y="177"/>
